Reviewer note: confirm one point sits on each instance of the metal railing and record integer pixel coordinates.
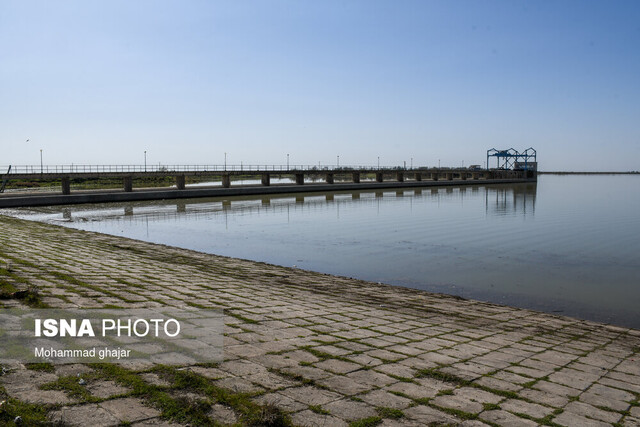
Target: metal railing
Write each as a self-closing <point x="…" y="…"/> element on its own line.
<point x="62" y="169"/>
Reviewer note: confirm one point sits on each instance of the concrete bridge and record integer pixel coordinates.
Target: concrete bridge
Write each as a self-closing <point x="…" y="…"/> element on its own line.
<point x="66" y="173"/>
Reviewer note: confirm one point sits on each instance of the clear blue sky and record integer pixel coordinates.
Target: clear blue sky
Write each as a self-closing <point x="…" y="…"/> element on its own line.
<point x="102" y="81"/>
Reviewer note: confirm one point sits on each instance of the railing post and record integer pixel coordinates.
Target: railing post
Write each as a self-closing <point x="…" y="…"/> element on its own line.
<point x="329" y="178"/>
<point x="180" y="182"/>
<point x="66" y="185"/>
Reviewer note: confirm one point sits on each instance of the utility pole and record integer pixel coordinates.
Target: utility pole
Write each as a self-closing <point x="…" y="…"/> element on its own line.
<point x="41" y="168"/>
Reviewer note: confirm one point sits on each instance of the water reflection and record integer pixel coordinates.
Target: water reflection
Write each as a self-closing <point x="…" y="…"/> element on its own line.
<point x="499" y="200"/>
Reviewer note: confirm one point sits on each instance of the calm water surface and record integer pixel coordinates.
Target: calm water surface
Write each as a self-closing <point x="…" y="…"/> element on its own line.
<point x="568" y="244"/>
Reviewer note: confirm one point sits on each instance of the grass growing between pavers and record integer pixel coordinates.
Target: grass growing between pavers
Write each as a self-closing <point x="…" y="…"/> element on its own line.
<point x="30" y="414"/>
<point x="184" y="410"/>
<point x="366" y="422"/>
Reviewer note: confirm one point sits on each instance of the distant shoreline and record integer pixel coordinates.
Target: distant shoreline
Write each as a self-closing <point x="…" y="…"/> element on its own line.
<point x="588" y="173"/>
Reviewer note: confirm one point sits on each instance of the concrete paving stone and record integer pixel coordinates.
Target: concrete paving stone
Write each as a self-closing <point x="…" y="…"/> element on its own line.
<point x="406" y="349"/>
<point x="558" y="389"/>
<point x="275" y="361"/>
<point x="506" y="419"/>
<point x="211" y="373"/>
<point x="517" y="406"/>
<point x="635" y="411"/>
<point x="345" y="385"/>
<point x="630" y="422"/>
<point x="569" y="419"/>
<point x="629" y="366"/>
<point x="572" y="378"/>
<point x="349" y="410"/>
<point x="497" y="384"/>
<point x="396" y="369"/>
<point x="338" y="366"/>
<point x="365" y="360"/>
<point x="586" y="410"/>
<point x="471" y="366"/>
<point x="476" y="395"/>
<point x="460" y="373"/>
<point x="511" y="377"/>
<point x="473" y="423"/>
<point x="238" y="385"/>
<point x="83" y="415"/>
<point x="310" y="395"/>
<point x="458" y="403"/>
<point x="72" y="370"/>
<point x="156" y="422"/>
<point x="307" y="372"/>
<point x="597" y="370"/>
<point x="105" y="389"/>
<point x="241" y="367"/>
<point x="270" y="381"/>
<point x="279" y="400"/>
<point x="545" y="367"/>
<point x="129" y="409"/>
<point x="222" y="414"/>
<point x="611" y="393"/>
<point x="332" y="350"/>
<point x="381" y="398"/>
<point x="624" y="377"/>
<point x="426" y="415"/>
<point x="354" y="346"/>
<point x="371" y="377"/>
<point x="385" y="355"/>
<point x="600" y="360"/>
<point x="439" y="359"/>
<point x="434" y="344"/>
<point x="414" y="391"/>
<point x="312" y="419"/>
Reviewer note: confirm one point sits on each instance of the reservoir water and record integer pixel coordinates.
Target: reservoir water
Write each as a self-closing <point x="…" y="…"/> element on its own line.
<point x="568" y="245"/>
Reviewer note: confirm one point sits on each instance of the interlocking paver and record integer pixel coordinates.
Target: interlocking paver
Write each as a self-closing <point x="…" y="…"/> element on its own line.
<point x="309" y="343"/>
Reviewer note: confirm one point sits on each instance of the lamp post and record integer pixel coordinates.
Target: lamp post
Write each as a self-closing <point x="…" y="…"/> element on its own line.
<point x="378" y="162"/>
<point x="225" y="161"/>
<point x="145" y="160"/>
<point x="41" y="168"/>
<point x="412" y="163"/>
<point x="287" y="161"/>
<point x="338" y="160"/>
<point x="438" y="163"/>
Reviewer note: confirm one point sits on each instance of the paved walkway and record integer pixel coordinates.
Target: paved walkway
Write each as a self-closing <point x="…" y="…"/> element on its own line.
<point x="315" y="349"/>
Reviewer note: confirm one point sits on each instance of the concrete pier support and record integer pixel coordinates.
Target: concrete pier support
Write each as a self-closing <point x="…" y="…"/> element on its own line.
<point x="449" y="176"/>
<point x="66" y="185"/>
<point x="226" y="180"/>
<point x="266" y="179"/>
<point x="128" y="183"/>
<point x="300" y="179"/>
<point x="356" y="177"/>
<point x="434" y="176"/>
<point x="329" y="178"/>
<point x="379" y="177"/>
<point x="180" y="182"/>
<point x="475" y="176"/>
<point x="400" y="176"/>
<point x="463" y="176"/>
<point x="418" y="176"/>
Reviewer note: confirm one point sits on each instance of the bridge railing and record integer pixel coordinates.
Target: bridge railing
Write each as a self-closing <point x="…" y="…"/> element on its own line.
<point x="62" y="169"/>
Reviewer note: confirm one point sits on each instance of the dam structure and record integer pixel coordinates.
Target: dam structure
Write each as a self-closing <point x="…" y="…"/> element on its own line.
<point x="305" y="178"/>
